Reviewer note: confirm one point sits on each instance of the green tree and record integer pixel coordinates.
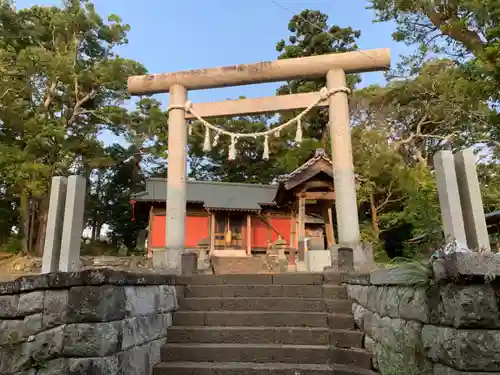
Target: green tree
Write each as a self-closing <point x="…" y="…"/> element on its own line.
<point x="458" y="28"/>
<point x="122" y="180"/>
<point x="381" y="173"/>
<point x="62" y="85"/>
<point x="397" y="129"/>
<point x="489" y="177"/>
<point x="117" y="175"/>
<point x="312" y="35"/>
<point x="440" y="108"/>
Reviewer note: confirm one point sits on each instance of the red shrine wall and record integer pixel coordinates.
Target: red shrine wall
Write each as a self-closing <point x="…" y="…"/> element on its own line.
<point x="260" y="233"/>
<point x="198" y="227"/>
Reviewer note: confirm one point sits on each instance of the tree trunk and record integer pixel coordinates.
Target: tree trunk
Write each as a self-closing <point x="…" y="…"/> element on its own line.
<point x="94" y="230"/>
<point x="374" y="215"/>
<point x="98" y="230"/>
<point x="422" y="161"/>
<point x="43" y="212"/>
<point x="324" y="137"/>
<point x="95" y="212"/>
<point x="24" y="213"/>
<point x="33" y="218"/>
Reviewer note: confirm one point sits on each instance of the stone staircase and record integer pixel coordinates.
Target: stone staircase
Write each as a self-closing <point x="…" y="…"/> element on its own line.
<point x="239" y="265"/>
<point x="261" y="325"/>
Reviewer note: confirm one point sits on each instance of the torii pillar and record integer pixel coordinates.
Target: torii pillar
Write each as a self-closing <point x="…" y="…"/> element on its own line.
<point x="334" y="66"/>
<point x="346" y="205"/>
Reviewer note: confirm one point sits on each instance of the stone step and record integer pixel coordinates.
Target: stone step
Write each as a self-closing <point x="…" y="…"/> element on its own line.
<point x="345" y="338"/>
<point x="266" y="304"/>
<point x="253" y="279"/>
<point x="261" y="353"/>
<point x="239" y="265"/>
<point x="251" y="335"/>
<point x="252" y="368"/>
<point x="269" y="335"/>
<point x="333" y="291"/>
<point x="302" y="291"/>
<point x="352" y="357"/>
<point x="263" y="318"/>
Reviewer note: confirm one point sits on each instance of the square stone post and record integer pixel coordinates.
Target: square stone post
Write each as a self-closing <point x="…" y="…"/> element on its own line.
<point x="73" y="224"/>
<point x="55" y="219"/>
<point x="176" y="183"/>
<point x="476" y="230"/>
<point x="449" y="197"/>
<point x="343" y="166"/>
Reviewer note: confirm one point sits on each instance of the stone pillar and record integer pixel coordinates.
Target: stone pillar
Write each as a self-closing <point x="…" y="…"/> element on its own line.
<point x="476" y="230"/>
<point x="449" y="198"/>
<point x="343" y="166"/>
<point x="141" y="240"/>
<point x="345" y="259"/>
<point x="189" y="263"/>
<point x="176" y="181"/>
<point x="55" y="219"/>
<point x="73" y="224"/>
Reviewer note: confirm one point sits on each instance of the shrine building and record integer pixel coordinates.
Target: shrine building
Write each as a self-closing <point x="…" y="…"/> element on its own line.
<point x="239" y="219"/>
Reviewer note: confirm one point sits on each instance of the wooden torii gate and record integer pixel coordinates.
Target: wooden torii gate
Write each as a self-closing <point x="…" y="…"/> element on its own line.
<point x="334" y="66"/>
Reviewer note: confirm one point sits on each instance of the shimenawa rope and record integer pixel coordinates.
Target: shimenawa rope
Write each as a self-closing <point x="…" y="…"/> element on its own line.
<point x="324" y="94"/>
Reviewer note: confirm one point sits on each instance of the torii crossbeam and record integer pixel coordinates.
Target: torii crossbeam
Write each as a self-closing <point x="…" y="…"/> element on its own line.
<point x="334" y="66"/>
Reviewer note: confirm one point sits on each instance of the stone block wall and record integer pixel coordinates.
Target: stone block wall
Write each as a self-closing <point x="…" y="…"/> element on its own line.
<point x="88" y="322"/>
<point x="450" y="327"/>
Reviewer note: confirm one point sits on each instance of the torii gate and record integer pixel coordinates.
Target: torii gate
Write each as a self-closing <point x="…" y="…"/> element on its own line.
<point x="334" y="66"/>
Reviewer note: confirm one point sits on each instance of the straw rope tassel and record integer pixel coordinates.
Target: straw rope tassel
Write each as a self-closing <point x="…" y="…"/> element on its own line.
<point x="298" y="135"/>
<point x="216" y="140"/>
<point x="188" y="107"/>
<point x="265" y="156"/>
<point x="206" y="145"/>
<point x="232" y="149"/>
<point x="190" y="129"/>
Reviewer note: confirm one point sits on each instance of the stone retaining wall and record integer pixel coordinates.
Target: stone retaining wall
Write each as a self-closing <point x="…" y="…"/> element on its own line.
<point x="93" y="321"/>
<point x="449" y="328"/>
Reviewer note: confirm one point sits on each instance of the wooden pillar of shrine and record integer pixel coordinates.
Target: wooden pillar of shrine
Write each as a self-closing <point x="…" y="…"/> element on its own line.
<point x="212" y="233"/>
<point x="249" y="234"/>
<point x="328" y="218"/>
<point x="301" y="226"/>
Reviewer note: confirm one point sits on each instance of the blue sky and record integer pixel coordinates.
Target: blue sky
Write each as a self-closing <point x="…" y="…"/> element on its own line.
<point x="172" y="35"/>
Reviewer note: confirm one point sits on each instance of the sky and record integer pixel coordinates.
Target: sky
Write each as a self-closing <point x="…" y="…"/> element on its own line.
<point x="173" y="35"/>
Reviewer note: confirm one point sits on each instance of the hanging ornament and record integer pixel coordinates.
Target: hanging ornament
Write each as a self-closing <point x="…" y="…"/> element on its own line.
<point x="206" y="145"/>
<point x="232" y="149"/>
<point x="298" y="135"/>
<point x="277" y="133"/>
<point x="190" y="129"/>
<point x="216" y="139"/>
<point x="265" y="156"/>
<point x="132" y="207"/>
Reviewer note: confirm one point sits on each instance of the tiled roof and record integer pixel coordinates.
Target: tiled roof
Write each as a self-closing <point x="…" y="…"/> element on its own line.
<point x="320" y="154"/>
<point x="215" y="195"/>
<point x="227" y="195"/>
